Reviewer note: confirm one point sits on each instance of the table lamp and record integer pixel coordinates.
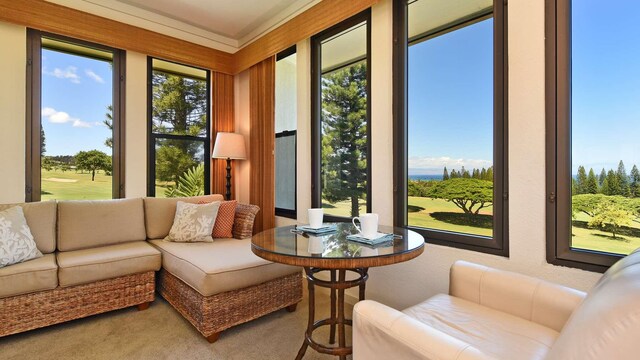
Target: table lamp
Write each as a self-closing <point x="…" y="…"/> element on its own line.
<point x="229" y="146"/>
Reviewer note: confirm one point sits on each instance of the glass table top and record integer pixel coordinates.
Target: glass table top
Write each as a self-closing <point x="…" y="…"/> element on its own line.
<point x="289" y="241"/>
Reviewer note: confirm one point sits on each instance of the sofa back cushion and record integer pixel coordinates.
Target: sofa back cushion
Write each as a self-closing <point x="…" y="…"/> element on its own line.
<point x="41" y="218"/>
<point x="87" y="224"/>
<point x="160" y="212"/>
<point x="607" y="324"/>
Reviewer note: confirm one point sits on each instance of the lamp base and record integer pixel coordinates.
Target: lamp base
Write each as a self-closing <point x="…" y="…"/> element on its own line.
<point x="228" y="193"/>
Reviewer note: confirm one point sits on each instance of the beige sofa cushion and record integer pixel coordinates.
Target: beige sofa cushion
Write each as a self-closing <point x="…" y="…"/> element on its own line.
<point x="88" y="224"/>
<point x="28" y="277"/>
<point x="497" y="334"/>
<point x="160" y="212"/>
<point x="41" y="218"/>
<point x="107" y="262"/>
<point x="223" y="265"/>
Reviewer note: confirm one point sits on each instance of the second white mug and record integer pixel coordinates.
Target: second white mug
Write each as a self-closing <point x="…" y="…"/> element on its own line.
<point x="315" y="218"/>
<point x="368" y="225"/>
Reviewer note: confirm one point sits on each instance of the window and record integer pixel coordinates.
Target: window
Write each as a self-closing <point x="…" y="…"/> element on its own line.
<point x="285" y="128"/>
<point x="179" y="130"/>
<point x="450" y="122"/>
<point x="341" y="65"/>
<point x="593" y="182"/>
<point x="75" y="119"/>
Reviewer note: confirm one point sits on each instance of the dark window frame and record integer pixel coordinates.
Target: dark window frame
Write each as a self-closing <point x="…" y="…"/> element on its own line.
<point x="498" y="244"/>
<point x="152" y="137"/>
<point x="33" y="174"/>
<point x="558" y="145"/>
<point x="316" y="108"/>
<point x="289" y="213"/>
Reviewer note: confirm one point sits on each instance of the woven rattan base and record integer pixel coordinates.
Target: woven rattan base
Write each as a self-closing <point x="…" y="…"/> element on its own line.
<point x="213" y="314"/>
<point x="31" y="311"/>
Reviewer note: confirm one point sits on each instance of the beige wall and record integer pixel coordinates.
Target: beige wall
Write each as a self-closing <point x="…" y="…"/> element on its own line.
<point x="405" y="284"/>
<point x="12" y="112"/>
<point x="136" y="126"/>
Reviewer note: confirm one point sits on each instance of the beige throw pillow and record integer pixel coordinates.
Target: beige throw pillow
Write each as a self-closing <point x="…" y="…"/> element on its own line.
<point x="16" y="242"/>
<point x="193" y="222"/>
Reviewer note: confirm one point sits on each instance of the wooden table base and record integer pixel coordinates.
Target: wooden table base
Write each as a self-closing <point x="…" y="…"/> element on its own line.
<point x="337" y="319"/>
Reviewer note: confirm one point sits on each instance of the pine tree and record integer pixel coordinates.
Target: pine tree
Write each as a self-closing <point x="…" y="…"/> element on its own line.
<point x="634" y="187"/>
<point x="453" y="174"/>
<point x="475" y="174"/>
<point x="581" y="181"/>
<point x="623" y="179"/>
<point x="611" y="184"/>
<point x="603" y="175"/>
<point x="490" y="173"/>
<point x="592" y="183"/>
<point x="483" y="174"/>
<point x="445" y="175"/>
<point x="465" y="173"/>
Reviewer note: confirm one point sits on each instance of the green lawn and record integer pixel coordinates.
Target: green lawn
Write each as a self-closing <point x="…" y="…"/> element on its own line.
<point x="627" y="240"/>
<point x="443" y="215"/>
<point x="342" y="208"/>
<point x="70" y="185"/>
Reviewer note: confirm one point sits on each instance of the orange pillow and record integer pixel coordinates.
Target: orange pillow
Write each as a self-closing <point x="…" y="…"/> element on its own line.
<point x="223" y="228"/>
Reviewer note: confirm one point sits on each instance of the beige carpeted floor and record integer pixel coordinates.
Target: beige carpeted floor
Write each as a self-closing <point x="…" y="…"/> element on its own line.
<point x="161" y="333"/>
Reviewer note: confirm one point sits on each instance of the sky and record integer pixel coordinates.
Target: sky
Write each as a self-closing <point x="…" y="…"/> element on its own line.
<point x="450" y="92"/>
<point x="75" y="94"/>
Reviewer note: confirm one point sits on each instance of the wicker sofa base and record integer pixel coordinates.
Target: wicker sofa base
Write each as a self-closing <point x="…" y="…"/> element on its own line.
<point x="31" y="311"/>
<point x="212" y="314"/>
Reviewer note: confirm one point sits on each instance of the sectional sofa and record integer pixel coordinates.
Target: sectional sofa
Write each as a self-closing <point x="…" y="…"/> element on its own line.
<point x="104" y="255"/>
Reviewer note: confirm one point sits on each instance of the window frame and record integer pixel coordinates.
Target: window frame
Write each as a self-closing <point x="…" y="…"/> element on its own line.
<point x="498" y="244"/>
<point x="316" y="108"/>
<point x="152" y="137"/>
<point x="289" y="213"/>
<point x="33" y="178"/>
<point x="558" y="145"/>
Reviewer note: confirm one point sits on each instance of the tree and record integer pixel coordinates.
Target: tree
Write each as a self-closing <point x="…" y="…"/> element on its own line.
<point x="603" y="175"/>
<point x="490" y="174"/>
<point x="445" y="174"/>
<point x="592" y="183"/>
<point x="190" y="183"/>
<point x="108" y="122"/>
<point x="344" y="140"/>
<point x="43" y="142"/>
<point x="470" y="195"/>
<point x="623" y="179"/>
<point x="93" y="161"/>
<point x="611" y="185"/>
<point x="581" y="181"/>
<point x="634" y="187"/>
<point x="612" y="215"/>
<point x="465" y="173"/>
<point x="179" y="108"/>
<point x="589" y="203"/>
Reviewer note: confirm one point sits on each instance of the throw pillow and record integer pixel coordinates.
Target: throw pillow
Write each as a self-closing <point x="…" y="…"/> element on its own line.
<point x="16" y="242"/>
<point x="193" y="222"/>
<point x="243" y="222"/>
<point x="223" y="227"/>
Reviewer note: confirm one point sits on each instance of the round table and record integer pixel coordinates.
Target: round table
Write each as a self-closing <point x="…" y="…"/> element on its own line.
<point x="333" y="253"/>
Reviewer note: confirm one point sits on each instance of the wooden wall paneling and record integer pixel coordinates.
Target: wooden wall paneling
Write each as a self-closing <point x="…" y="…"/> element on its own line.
<point x="317" y="18"/>
<point x="49" y="17"/>
<point x="261" y="153"/>
<point x="222" y="119"/>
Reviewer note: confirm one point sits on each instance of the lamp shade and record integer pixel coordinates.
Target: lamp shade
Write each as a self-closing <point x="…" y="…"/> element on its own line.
<point x="229" y="146"/>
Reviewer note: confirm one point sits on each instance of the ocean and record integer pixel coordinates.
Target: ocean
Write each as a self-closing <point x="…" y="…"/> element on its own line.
<point x="425" y="177"/>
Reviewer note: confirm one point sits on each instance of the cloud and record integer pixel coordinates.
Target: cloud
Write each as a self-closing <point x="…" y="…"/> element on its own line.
<point x="94" y="76"/>
<point x="424" y="165"/>
<point x="70" y="73"/>
<point x="61" y="117"/>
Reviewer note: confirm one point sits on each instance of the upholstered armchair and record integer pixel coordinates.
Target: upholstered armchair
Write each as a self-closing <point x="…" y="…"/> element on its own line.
<point x="494" y="314"/>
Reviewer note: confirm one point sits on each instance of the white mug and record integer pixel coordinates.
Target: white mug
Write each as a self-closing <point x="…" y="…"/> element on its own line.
<point x="316" y="245"/>
<point x="368" y="225"/>
<point x="315" y="218"/>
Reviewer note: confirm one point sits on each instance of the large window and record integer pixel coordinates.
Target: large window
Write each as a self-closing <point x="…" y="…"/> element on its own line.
<point x="341" y="65"/>
<point x="285" y="127"/>
<point x="74" y="119"/>
<point x="179" y="130"/>
<point x="593" y="181"/>
<point x="450" y="122"/>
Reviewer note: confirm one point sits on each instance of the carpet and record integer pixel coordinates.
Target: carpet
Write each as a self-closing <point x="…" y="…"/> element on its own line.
<point x="160" y="332"/>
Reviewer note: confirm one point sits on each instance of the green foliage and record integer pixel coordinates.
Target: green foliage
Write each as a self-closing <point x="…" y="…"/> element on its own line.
<point x="445" y="174"/>
<point x="108" y="122"/>
<point x="611" y="185"/>
<point x="592" y="183"/>
<point x="468" y="194"/>
<point x="623" y="179"/>
<point x="43" y="143"/>
<point x="610" y="216"/>
<point x="344" y="135"/>
<point x="603" y="175"/>
<point x="92" y="161"/>
<point x="606" y="211"/>
<point x="634" y="187"/>
<point x="173" y="159"/>
<point x="581" y="181"/>
<point x="190" y="183"/>
<point x="420" y="187"/>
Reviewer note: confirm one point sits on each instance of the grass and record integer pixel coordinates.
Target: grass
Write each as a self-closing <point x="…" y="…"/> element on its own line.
<point x="342" y="208"/>
<point x="627" y="237"/>
<point x="443" y="215"/>
<point x="70" y="185"/>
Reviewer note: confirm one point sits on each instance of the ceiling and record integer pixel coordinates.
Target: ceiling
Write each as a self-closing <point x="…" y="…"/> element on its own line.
<point x="226" y="25"/>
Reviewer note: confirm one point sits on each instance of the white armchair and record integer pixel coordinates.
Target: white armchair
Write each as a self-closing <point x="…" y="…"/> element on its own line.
<point x="494" y="314"/>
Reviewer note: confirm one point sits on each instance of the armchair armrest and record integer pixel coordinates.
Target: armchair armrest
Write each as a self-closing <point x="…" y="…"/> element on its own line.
<point x="380" y="332"/>
<point x="527" y="297"/>
<point x="243" y="220"/>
